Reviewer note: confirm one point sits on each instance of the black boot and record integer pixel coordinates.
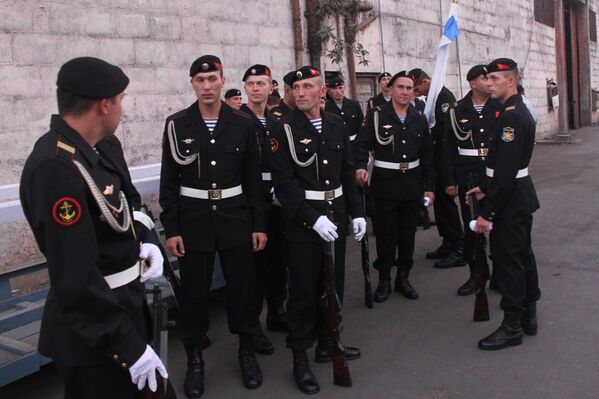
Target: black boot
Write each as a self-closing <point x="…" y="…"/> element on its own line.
<point x="454" y="259"/>
<point x="383" y="289"/>
<point x="324" y="351"/>
<point x="529" y="319"/>
<point x="403" y="286"/>
<point x="250" y="371"/>
<point x="262" y="344"/>
<point x="275" y="318"/>
<point x="471" y="285"/>
<point x="305" y="380"/>
<point x="508" y="334"/>
<point x="194" y="376"/>
<point x="441" y="252"/>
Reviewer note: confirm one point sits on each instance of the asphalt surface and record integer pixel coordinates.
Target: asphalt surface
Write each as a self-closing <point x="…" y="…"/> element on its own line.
<point x="427" y="349"/>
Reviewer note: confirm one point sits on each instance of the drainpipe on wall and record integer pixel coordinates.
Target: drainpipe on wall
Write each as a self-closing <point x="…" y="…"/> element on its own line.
<point x="562" y="78"/>
<point x="298" y="43"/>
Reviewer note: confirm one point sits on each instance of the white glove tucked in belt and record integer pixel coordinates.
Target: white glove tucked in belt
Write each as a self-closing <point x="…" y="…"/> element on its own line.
<point x="325" y="229"/>
<point x="275" y="200"/>
<point x="359" y="225"/>
<point x="152" y="253"/>
<point x="143" y="219"/>
<point x="144" y="369"/>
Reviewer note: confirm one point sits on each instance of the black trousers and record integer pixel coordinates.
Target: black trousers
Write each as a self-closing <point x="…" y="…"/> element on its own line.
<point x="396" y="232"/>
<point x="514" y="263"/>
<point x="304" y="307"/>
<point x="447" y="216"/>
<point x="196" y="278"/>
<point x="469" y="235"/>
<point x="98" y="382"/>
<point x="271" y="267"/>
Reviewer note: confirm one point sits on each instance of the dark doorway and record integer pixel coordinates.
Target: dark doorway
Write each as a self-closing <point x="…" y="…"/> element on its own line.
<point x="572" y="65"/>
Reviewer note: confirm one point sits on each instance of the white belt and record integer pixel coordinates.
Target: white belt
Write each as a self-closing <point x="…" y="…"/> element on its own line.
<point x="324" y="195"/>
<point x="216" y="194"/>
<point x="477" y="152"/>
<point x="266" y="176"/>
<point x="119" y="279"/>
<point x="397" y="166"/>
<point x="521" y="173"/>
<point x="352" y="138"/>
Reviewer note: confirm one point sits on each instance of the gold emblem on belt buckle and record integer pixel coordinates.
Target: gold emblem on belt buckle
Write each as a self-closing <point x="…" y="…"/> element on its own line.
<point x="482" y="152"/>
<point x="215" y="194"/>
<point x="329" y="195"/>
<point x="403" y="166"/>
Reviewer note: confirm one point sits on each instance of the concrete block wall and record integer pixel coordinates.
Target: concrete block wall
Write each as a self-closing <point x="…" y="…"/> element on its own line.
<point x="594" y="54"/>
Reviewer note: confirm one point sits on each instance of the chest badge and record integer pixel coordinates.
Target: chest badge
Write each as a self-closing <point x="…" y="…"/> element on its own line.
<point x="306" y="141"/>
<point x="445" y="107"/>
<point x="387" y="127"/>
<point x="508" y="134"/>
<point x="464" y="121"/>
<point x="188" y="141"/>
<point x="109" y="190"/>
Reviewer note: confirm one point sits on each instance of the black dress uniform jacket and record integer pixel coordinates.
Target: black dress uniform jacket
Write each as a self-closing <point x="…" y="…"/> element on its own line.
<point x="224" y="159"/>
<point x="281" y="110"/>
<point x="455" y="167"/>
<point x="332" y="168"/>
<point x="444" y="101"/>
<point x="376" y="101"/>
<point x="350" y="112"/>
<point x="511" y="149"/>
<point x="411" y="141"/>
<point x="84" y="321"/>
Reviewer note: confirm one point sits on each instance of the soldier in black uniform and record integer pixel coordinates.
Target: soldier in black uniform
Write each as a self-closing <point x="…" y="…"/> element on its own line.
<point x="313" y="171"/>
<point x="271" y="278"/>
<point x="287" y="103"/>
<point x="447" y="217"/>
<point x="507" y="211"/>
<point x="211" y="198"/>
<point x="233" y="98"/>
<point x="402" y="175"/>
<point x="384" y="95"/>
<point x="74" y="192"/>
<point x="466" y="147"/>
<point x="349" y="110"/>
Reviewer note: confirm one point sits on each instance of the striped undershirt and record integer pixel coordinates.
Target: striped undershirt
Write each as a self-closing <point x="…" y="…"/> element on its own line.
<point x="210" y="124"/>
<point x="317" y="123"/>
<point x="479" y="108"/>
<point x="263" y="120"/>
<point x="402" y="118"/>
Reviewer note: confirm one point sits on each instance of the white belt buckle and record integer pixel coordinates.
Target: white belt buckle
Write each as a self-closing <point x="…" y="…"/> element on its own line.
<point x="215" y="194"/>
<point x="483" y="152"/>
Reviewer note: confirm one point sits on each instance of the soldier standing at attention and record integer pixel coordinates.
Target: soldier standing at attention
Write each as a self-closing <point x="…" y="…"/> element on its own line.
<point x="271" y="282"/>
<point x="211" y="198"/>
<point x="398" y="135"/>
<point x="287" y="103"/>
<point x="510" y="200"/>
<point x="349" y="110"/>
<point x="75" y="194"/>
<point x="313" y="172"/>
<point x="233" y="98"/>
<point x="384" y="95"/>
<point x="466" y="149"/>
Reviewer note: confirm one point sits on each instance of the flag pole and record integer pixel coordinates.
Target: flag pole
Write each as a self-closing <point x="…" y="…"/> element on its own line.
<point x="457" y="49"/>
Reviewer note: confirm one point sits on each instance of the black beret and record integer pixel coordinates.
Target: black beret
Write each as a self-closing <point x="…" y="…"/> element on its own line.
<point x="502" y="64"/>
<point x="476" y="71"/>
<point x="90" y="77"/>
<point x="383" y="75"/>
<point x="335" y="81"/>
<point x="275" y="83"/>
<point x="205" y="63"/>
<point x="306" y="72"/>
<point x="402" y="74"/>
<point x="232" y="93"/>
<point x="415" y="74"/>
<point x="289" y="78"/>
<point x="256" y="70"/>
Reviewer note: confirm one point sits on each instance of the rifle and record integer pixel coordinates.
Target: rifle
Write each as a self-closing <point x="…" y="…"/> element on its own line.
<point x="366" y="261"/>
<point x="160" y="345"/>
<point x="481" y="304"/>
<point x="341" y="375"/>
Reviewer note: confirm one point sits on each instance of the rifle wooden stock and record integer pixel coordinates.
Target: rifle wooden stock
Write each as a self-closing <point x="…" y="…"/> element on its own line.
<point x="481" y="303"/>
<point x="341" y="375"/>
<point x="366" y="262"/>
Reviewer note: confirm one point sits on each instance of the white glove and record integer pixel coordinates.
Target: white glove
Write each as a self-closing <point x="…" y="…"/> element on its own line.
<point x="325" y="229"/>
<point x="143" y="219"/>
<point x="275" y="200"/>
<point x="144" y="369"/>
<point x="359" y="225"/>
<point x="152" y="253"/>
<point x="472" y="225"/>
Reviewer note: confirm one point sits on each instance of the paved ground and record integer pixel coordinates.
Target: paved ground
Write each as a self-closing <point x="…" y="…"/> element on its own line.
<point x="427" y="348"/>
